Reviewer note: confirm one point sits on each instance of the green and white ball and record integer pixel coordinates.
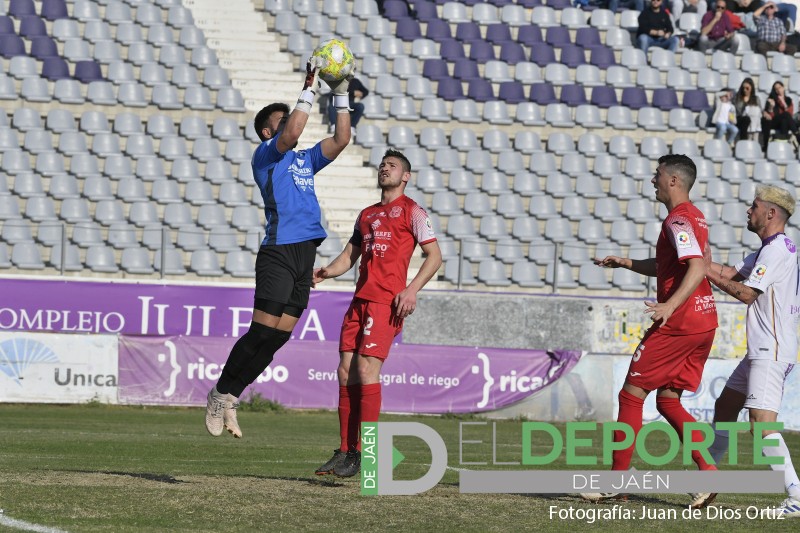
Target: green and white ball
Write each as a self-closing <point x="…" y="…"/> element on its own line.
<point x="338" y="60"/>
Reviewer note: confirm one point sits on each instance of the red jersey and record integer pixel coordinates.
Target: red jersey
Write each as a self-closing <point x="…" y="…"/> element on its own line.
<point x="684" y="235"/>
<point x="387" y="235"/>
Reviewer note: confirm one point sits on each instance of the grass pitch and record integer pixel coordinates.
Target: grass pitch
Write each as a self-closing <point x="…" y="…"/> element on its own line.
<point x="111" y="468"/>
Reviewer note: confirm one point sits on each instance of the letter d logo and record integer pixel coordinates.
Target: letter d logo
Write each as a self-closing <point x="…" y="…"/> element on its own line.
<point x="379" y="457"/>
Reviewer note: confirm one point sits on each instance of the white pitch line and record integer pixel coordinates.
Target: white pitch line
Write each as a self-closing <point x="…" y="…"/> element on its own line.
<point x="26" y="526"/>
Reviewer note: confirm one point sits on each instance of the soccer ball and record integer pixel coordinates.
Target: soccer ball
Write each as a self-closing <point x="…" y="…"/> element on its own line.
<point x="338" y="60"/>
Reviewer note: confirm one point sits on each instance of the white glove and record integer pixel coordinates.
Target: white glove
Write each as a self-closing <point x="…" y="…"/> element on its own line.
<point x="341" y="97"/>
<point x="310" y="85"/>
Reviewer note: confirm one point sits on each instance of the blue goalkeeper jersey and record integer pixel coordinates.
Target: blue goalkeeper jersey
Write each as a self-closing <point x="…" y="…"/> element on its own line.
<point x="287" y="187"/>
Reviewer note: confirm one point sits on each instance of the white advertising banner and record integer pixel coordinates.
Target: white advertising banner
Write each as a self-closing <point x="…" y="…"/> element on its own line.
<point x="57" y="368"/>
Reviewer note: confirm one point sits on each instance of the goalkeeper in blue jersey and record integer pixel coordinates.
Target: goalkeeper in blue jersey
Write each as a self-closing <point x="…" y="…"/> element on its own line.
<point x="285" y="260"/>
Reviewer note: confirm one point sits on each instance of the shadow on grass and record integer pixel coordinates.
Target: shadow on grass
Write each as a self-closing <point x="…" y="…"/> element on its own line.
<point x="161" y="478"/>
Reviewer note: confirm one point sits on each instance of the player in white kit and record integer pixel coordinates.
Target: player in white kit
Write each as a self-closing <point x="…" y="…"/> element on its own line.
<point x="768" y="281"/>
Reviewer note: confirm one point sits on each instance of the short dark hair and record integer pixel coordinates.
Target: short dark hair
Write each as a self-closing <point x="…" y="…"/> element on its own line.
<point x="399" y="155"/>
<point x="682" y="165"/>
<point x="263" y="115"/>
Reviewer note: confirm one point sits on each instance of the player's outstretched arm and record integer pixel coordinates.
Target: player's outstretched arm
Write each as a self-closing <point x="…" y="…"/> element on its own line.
<point x="646" y="267"/>
<point x="729" y="281"/>
<point x="406" y="301"/>
<point x="333" y="146"/>
<point x="343" y="262"/>
<point x="298" y="119"/>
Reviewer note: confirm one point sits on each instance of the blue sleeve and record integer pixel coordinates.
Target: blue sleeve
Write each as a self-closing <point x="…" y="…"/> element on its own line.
<point x="266" y="154"/>
<point x="318" y="161"/>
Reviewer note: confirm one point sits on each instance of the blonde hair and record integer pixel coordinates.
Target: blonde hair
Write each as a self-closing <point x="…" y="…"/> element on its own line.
<point x="778" y="196"/>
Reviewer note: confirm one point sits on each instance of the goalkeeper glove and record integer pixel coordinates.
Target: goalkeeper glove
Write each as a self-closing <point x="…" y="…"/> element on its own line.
<point x="341" y="96"/>
<point x="306" y="99"/>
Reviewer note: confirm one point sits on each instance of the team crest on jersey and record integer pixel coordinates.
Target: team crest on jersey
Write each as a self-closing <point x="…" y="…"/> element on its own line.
<point x="396" y="212"/>
<point x="683" y="240"/>
<point x="759" y="271"/>
<point x="790" y="245"/>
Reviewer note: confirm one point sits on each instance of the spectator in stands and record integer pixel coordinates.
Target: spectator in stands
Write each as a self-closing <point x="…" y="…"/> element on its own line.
<point x="778" y="115"/>
<point x="748" y="110"/>
<point x="688" y="6"/>
<point x="771" y="31"/>
<point x="717" y="31"/>
<point x="746" y="9"/>
<point x="356" y="92"/>
<point x="636" y="5"/>
<point x="724" y="118"/>
<point x="655" y="29"/>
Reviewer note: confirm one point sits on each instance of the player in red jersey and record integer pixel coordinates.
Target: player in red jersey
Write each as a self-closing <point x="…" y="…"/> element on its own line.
<point x="385" y="236"/>
<point x="671" y="356"/>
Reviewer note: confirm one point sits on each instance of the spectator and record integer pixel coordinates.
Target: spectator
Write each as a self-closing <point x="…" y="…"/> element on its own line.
<point x="655" y="29"/>
<point x="771" y="31"/>
<point x="778" y="115"/>
<point x="748" y="110"/>
<point x="688" y="6"/>
<point x="746" y="10"/>
<point x="356" y="91"/>
<point x="725" y="117"/>
<point x="717" y="31"/>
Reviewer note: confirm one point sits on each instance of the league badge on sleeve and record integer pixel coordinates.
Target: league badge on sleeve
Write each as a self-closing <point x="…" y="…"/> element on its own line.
<point x="758" y="272"/>
<point x="683" y="240"/>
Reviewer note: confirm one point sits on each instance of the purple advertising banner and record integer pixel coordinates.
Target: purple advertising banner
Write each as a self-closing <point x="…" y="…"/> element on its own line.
<point x="62" y="306"/>
<point x="416" y="378"/>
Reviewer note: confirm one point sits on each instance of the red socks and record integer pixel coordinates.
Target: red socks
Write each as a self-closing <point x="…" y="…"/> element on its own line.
<point x="674" y="413"/>
<point x="630" y="412"/>
<point x="370" y="402"/>
<point x="349" y="415"/>
<point x="357" y="403"/>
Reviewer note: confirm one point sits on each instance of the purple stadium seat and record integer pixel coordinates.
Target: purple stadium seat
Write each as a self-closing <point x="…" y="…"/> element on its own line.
<point x="634" y="98"/>
<point x="54" y="9"/>
<point x="529" y="35"/>
<point x="602" y="57"/>
<point x="450" y="89"/>
<point x="450" y="49"/>
<point x="696" y="100"/>
<point x="11" y="45"/>
<point x="588" y="37"/>
<point x="438" y="29"/>
<point x="530" y="3"/>
<point x="435" y="69"/>
<point x="468" y="32"/>
<point x="426" y="11"/>
<point x="32" y="26"/>
<point x="6" y="25"/>
<point x="465" y="70"/>
<point x="55" y="68"/>
<point x="558" y="4"/>
<point x="481" y="51"/>
<point x="20" y="8"/>
<point x="511" y="92"/>
<point x="573" y="95"/>
<point x="480" y="90"/>
<point x="88" y="71"/>
<point x="543" y="94"/>
<point x="498" y="33"/>
<point x="395" y="9"/>
<point x="604" y="96"/>
<point x="557" y="36"/>
<point x="543" y="54"/>
<point x="43" y="46"/>
<point x="572" y="55"/>
<point x="408" y="29"/>
<point x="512" y="53"/>
<point x="665" y="98"/>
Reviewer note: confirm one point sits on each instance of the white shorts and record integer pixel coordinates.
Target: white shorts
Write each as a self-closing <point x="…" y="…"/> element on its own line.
<point x="761" y="381"/>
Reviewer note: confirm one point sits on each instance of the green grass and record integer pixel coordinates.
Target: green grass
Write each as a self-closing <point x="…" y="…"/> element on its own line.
<point x="109" y="468"/>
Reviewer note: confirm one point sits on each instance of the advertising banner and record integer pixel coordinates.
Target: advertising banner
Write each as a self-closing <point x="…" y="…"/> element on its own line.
<point x="416" y="378"/>
<point x="152" y="309"/>
<point x="53" y="368"/>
